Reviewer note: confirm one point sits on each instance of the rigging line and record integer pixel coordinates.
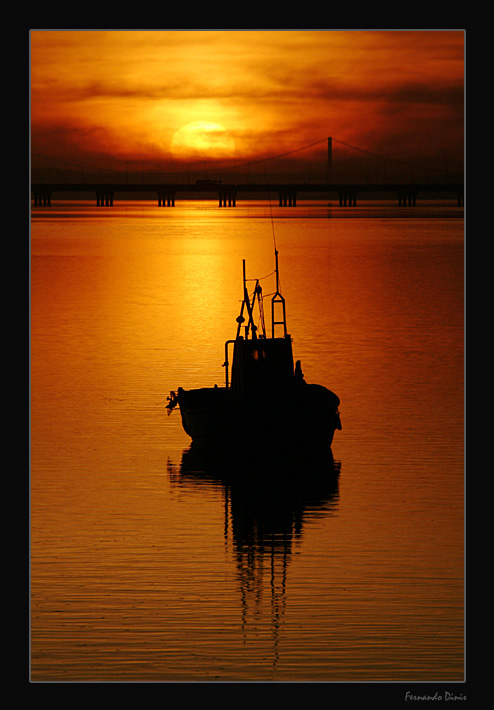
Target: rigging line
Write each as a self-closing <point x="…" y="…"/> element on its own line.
<point x="270" y="211"/>
<point x="261" y="277"/>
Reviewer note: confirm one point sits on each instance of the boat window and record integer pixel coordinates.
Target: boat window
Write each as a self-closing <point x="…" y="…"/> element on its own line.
<point x="258" y="354"/>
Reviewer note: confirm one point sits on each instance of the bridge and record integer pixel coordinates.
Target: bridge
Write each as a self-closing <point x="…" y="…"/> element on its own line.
<point x="317" y="160"/>
<point x="287" y="194"/>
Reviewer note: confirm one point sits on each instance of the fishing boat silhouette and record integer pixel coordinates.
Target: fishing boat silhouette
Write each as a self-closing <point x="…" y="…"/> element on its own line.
<point x="265" y="398"/>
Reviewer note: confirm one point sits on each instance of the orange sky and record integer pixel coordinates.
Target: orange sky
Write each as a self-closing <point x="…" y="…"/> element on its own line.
<point x="106" y="98"/>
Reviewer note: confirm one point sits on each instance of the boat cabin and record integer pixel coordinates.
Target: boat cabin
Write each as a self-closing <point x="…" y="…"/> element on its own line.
<point x="261" y="366"/>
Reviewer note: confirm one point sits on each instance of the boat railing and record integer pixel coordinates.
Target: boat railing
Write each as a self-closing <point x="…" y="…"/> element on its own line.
<point x="226" y="363"/>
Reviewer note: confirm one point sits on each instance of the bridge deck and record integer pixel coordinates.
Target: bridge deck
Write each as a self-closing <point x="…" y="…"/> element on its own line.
<point x="288" y="192"/>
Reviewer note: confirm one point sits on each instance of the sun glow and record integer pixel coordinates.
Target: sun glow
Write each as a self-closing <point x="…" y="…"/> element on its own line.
<point x="202" y="139"/>
<point x="165" y="99"/>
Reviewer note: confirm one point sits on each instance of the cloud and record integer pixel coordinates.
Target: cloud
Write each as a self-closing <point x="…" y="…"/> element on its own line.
<point x="128" y="92"/>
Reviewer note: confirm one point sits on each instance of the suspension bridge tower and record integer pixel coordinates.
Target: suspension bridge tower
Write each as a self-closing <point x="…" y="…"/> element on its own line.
<point x="330" y="160"/>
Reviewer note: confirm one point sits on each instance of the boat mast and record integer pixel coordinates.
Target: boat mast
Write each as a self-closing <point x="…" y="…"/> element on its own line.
<point x="277" y="271"/>
<point x="277" y="303"/>
<point x="278" y="299"/>
<point x="250" y="310"/>
<point x="249" y="306"/>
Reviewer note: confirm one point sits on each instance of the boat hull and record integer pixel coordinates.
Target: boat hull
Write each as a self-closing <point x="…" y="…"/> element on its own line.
<point x="294" y="418"/>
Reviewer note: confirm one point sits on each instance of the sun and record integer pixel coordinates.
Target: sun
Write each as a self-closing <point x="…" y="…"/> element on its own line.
<point x="202" y="139"/>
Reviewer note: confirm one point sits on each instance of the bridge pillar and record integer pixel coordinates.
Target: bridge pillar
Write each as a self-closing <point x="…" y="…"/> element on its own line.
<point x="407" y="198"/>
<point x="166" y="197"/>
<point x="227" y="197"/>
<point x="104" y="198"/>
<point x="42" y="198"/>
<point x="348" y="198"/>
<point x="288" y="198"/>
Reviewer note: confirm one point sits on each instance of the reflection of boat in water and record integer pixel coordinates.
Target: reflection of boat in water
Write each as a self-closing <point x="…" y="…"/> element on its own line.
<point x="267" y="496"/>
<point x="267" y="399"/>
<point x="265" y="508"/>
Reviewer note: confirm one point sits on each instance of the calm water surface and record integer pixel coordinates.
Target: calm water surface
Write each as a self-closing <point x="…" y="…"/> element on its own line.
<point x="151" y="564"/>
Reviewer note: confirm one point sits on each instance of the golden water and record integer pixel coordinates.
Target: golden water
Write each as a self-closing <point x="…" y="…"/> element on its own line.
<point x="145" y="567"/>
